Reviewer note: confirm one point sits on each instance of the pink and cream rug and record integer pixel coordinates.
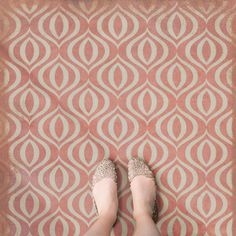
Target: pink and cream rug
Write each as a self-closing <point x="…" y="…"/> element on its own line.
<point x="86" y="80"/>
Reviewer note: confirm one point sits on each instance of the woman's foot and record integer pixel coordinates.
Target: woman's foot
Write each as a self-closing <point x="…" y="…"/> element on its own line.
<point x="105" y="190"/>
<point x="143" y="188"/>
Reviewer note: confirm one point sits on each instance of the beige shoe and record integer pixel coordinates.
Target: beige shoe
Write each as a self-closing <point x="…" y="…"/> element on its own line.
<point x="105" y="169"/>
<point x="138" y="167"/>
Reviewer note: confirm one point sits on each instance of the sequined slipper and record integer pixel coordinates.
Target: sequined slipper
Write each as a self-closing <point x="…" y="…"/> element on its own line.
<point x="138" y="167"/>
<point x="105" y="169"/>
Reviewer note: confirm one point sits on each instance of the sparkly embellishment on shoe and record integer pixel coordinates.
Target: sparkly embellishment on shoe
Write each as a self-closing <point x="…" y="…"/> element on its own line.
<point x="105" y="169"/>
<point x="138" y="167"/>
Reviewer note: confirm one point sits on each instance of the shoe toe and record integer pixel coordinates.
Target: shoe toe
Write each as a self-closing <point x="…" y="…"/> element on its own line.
<point x="138" y="167"/>
<point x="105" y="169"/>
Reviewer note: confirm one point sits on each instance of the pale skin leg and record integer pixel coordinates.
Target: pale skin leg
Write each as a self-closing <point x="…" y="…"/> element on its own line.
<point x="145" y="226"/>
<point x="105" y="195"/>
<point x="102" y="227"/>
<point x="144" y="194"/>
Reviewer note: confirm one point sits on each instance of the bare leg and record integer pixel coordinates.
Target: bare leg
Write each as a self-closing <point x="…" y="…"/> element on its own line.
<point x="144" y="194"/>
<point x="105" y="195"/>
<point x="102" y="226"/>
<point x="145" y="226"/>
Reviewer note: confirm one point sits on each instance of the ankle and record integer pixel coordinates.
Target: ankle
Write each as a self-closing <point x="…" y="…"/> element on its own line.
<point x="141" y="216"/>
<point x="143" y="208"/>
<point x="109" y="218"/>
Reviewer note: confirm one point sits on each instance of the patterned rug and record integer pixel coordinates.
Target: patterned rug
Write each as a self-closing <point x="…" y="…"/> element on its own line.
<point x="86" y="80"/>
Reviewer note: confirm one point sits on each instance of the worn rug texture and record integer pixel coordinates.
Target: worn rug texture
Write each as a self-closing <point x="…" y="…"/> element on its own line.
<point x="82" y="81"/>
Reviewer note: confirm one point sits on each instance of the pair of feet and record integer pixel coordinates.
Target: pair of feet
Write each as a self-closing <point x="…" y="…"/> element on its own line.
<point x="142" y="186"/>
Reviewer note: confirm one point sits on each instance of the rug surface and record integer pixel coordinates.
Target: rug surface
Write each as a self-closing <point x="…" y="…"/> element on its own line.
<point x="86" y="80"/>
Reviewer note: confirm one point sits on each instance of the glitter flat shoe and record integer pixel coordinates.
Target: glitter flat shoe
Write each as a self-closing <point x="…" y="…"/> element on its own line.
<point x="105" y="169"/>
<point x="138" y="167"/>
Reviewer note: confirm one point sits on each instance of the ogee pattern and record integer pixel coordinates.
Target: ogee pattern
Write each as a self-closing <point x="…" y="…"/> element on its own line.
<point x="86" y="80"/>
